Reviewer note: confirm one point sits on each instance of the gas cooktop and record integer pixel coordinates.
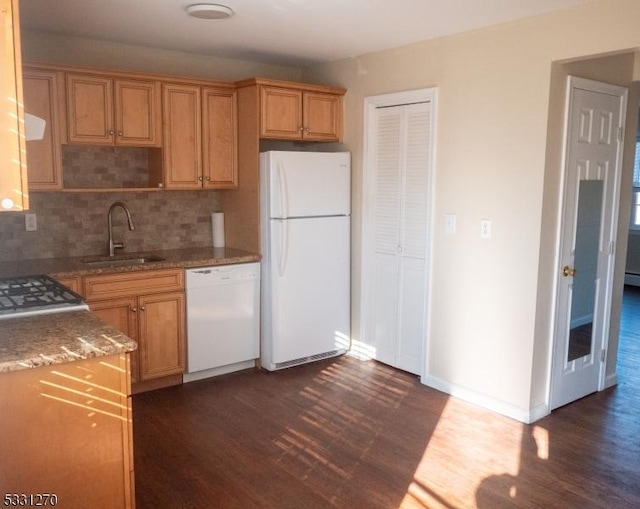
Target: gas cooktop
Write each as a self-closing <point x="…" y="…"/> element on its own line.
<point x="33" y="295"/>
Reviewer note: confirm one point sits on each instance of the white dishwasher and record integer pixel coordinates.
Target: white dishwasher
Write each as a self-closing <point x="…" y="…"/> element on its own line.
<point x="223" y="319"/>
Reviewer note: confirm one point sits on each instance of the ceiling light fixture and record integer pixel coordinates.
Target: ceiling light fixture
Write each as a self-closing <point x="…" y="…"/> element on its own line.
<point x="209" y="11"/>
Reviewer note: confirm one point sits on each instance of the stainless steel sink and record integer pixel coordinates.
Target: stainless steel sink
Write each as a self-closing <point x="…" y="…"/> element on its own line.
<point x="121" y="261"/>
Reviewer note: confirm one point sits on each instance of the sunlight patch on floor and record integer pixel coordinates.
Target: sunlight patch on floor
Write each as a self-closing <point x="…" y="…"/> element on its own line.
<point x="452" y="444"/>
<point x="362" y="351"/>
<point x="541" y="437"/>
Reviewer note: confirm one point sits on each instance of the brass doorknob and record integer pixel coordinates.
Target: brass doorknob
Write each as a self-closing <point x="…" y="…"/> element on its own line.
<point x="568" y="271"/>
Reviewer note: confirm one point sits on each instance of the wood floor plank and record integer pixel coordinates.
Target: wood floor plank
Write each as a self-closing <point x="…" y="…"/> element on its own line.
<point x="346" y="433"/>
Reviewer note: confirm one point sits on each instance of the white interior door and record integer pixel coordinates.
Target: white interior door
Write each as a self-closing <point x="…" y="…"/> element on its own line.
<point x="593" y="155"/>
<point x="397" y="206"/>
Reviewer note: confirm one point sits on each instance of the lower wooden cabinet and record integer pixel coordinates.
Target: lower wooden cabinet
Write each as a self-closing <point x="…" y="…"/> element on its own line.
<point x="149" y="307"/>
<point x="161" y="334"/>
<point x="66" y="432"/>
<point x="121" y="314"/>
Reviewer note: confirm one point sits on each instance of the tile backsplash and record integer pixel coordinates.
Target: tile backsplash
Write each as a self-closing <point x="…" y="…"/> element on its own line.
<point x="87" y="166"/>
<point x="75" y="224"/>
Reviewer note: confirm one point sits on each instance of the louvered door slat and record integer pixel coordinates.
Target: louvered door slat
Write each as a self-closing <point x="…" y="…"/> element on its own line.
<point x="387" y="182"/>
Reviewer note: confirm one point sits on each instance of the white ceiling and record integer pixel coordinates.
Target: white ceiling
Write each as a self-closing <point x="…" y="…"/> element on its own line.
<point x="289" y="32"/>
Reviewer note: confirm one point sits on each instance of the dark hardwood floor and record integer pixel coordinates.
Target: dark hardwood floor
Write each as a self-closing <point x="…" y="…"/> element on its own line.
<point x="346" y="433"/>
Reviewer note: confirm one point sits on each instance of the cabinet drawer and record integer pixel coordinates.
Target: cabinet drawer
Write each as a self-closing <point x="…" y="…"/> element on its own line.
<point x="109" y="286"/>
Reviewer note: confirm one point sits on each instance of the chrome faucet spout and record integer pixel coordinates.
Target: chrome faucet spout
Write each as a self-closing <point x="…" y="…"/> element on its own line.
<point x="117" y="245"/>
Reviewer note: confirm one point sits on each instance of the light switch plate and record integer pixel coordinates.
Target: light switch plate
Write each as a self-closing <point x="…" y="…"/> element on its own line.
<point x="485" y="228"/>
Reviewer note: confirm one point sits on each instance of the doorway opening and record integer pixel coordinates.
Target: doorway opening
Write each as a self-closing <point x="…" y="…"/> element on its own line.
<point x="595" y="120"/>
<point x="617" y="69"/>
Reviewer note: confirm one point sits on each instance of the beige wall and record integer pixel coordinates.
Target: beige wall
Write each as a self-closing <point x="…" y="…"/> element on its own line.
<point x="490" y="323"/>
<point x="61" y="49"/>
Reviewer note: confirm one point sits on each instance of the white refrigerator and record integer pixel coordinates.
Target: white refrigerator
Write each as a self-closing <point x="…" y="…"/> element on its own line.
<point x="305" y="201"/>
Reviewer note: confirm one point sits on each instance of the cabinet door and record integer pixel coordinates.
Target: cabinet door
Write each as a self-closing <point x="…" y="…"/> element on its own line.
<point x="280" y="113"/>
<point x="322" y="116"/>
<point x="66" y="430"/>
<point x="219" y="138"/>
<point x="121" y="314"/>
<point x="40" y="89"/>
<point x="13" y="175"/>
<point x="182" y="136"/>
<point x="89" y="109"/>
<point x="161" y="342"/>
<point x="137" y="113"/>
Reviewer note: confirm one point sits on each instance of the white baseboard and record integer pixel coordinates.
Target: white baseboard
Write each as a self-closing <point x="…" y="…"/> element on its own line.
<point x="520" y="414"/>
<point x="223" y="370"/>
<point x="632" y="279"/>
<point x="611" y="380"/>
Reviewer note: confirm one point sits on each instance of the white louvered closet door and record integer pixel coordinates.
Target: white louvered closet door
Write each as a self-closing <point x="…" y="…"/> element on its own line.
<point x="396" y="320"/>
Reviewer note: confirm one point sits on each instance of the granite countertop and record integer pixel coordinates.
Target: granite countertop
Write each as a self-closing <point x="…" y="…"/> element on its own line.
<point x="33" y="341"/>
<point x="174" y="258"/>
<point x="55" y="338"/>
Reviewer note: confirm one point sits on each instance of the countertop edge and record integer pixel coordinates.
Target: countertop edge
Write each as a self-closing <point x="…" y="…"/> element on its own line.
<point x="57" y="338"/>
<point x="175" y="258"/>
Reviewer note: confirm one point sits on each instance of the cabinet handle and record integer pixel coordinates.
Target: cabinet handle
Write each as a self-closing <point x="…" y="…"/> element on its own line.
<point x="208" y="179"/>
<point x="307" y="130"/>
<point x="110" y="132"/>
<point x="200" y="179"/>
<point x="142" y="308"/>
<point x="301" y="128"/>
<point x="119" y="133"/>
<point x="133" y="310"/>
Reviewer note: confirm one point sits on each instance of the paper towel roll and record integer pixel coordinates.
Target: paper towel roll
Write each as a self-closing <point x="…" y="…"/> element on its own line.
<point x="217" y="225"/>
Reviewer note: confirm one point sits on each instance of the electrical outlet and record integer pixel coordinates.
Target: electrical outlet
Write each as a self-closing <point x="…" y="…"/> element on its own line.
<point x="485" y="228"/>
<point x="30" y="223"/>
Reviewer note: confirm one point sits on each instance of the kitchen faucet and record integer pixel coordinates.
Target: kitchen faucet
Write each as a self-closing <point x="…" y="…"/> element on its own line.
<point x="117" y="245"/>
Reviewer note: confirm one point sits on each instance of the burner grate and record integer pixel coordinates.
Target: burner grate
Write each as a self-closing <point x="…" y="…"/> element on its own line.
<point x="30" y="292"/>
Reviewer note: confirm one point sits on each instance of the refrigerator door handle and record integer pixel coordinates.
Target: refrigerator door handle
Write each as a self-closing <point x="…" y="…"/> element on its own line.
<point x="282" y="182"/>
<point x="284" y="245"/>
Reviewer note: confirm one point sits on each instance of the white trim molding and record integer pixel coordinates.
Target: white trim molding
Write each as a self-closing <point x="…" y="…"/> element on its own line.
<point x="524" y="415"/>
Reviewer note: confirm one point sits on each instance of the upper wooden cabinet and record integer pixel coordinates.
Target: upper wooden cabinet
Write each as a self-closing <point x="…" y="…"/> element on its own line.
<point x="200" y="137"/>
<point x="294" y="114"/>
<point x="44" y="159"/>
<point x="182" y="142"/>
<point x="200" y="134"/>
<point x="13" y="176"/>
<point x="219" y="138"/>
<point x="106" y="111"/>
<point x="322" y="116"/>
<point x="297" y="111"/>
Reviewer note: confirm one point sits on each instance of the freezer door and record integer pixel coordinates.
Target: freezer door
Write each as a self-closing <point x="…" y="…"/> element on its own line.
<point x="304" y="184"/>
<point x="308" y="298"/>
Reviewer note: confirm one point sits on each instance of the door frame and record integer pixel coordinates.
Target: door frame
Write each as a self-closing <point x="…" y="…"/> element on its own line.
<point x="574" y="82"/>
<point x="371" y="103"/>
